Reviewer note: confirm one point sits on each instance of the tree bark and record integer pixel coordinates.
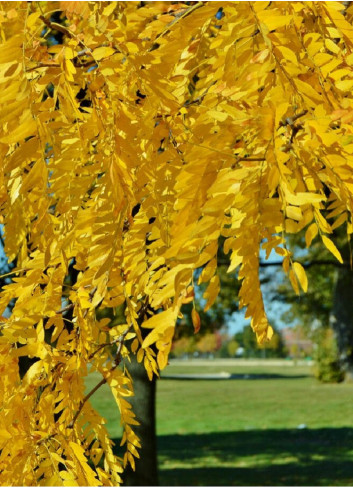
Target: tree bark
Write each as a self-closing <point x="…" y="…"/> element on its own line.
<point x="341" y="319"/>
<point x="144" y="406"/>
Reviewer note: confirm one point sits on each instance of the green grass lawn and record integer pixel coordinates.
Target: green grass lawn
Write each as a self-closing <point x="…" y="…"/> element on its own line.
<point x="245" y="431"/>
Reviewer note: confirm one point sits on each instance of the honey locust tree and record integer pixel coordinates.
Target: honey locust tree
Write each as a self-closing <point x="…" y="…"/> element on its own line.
<point x="127" y="150"/>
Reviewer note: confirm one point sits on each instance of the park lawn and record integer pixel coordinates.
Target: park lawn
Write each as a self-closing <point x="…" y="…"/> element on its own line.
<point x="249" y="431"/>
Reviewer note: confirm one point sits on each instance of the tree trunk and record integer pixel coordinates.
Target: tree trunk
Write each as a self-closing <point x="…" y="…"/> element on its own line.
<point x="143" y="405"/>
<point x="341" y="319"/>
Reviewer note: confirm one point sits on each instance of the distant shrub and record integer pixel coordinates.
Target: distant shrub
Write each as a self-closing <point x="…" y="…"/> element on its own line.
<point x="327" y="364"/>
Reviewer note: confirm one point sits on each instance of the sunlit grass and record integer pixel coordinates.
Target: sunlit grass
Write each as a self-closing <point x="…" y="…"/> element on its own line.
<point x="249" y="432"/>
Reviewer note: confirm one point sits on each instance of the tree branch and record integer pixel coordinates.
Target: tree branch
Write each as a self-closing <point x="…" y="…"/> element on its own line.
<point x="64" y="309"/>
<point x="306" y="265"/>
<point x="309" y="264"/>
<point x="289" y="121"/>
<point x="251" y="159"/>
<point x="76" y="62"/>
<point x="61" y="28"/>
<point x="116" y="362"/>
<point x="188" y="11"/>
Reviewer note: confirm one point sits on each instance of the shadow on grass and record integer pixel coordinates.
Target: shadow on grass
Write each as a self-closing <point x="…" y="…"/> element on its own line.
<point x="231" y="376"/>
<point x="321" y="457"/>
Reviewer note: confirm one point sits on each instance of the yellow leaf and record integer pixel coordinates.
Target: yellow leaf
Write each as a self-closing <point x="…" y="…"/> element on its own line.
<point x="132" y="47"/>
<point x="339" y="221"/>
<point x="196" y="321"/>
<point x="69" y="69"/>
<point x="285" y="264"/>
<point x="211" y="292"/>
<point x="135" y="345"/>
<point x="332" y="248"/>
<point x="294" y="213"/>
<point x="159" y="323"/>
<point x="287" y="54"/>
<point x="344" y="85"/>
<point x="302" y="198"/>
<point x="311" y="233"/>
<point x="307" y="90"/>
<point x="4" y="434"/>
<point x="89" y="474"/>
<point x="301" y="275"/>
<point x="261" y="56"/>
<point x="102" y="52"/>
<point x="110" y="8"/>
<point x="26" y="128"/>
<point x="32" y="350"/>
<point x="331" y="46"/>
<point x="293" y="280"/>
<point x="162" y="359"/>
<point x="321" y="221"/>
<point x="32" y="18"/>
<point x="273" y="21"/>
<point x="218" y="115"/>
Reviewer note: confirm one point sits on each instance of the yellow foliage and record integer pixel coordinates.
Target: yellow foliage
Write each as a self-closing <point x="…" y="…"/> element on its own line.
<point x="126" y="152"/>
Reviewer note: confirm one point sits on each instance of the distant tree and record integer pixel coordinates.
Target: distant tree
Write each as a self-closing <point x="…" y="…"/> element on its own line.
<point x="232" y="347"/>
<point x="184" y="345"/>
<point x="209" y="343"/>
<point x="328" y="303"/>
<point x="273" y="348"/>
<point x="328" y="368"/>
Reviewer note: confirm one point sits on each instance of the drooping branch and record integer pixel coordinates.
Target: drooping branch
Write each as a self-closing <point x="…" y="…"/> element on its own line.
<point x="117" y="360"/>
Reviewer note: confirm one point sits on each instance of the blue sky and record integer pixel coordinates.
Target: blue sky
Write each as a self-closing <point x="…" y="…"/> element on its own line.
<point x="274" y="309"/>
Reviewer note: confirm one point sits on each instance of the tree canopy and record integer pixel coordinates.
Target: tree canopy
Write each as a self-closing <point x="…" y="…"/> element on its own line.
<point x="129" y="146"/>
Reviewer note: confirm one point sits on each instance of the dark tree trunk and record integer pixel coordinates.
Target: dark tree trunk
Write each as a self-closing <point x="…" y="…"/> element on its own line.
<point x="143" y="405"/>
<point x="341" y="318"/>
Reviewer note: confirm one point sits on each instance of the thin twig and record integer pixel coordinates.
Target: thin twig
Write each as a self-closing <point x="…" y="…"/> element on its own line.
<point x="76" y="63"/>
<point x="289" y="121"/>
<point x="66" y="308"/>
<point x="98" y="349"/>
<point x="71" y="306"/>
<point x="103" y="345"/>
<point x="251" y="159"/>
<point x="85" y="399"/>
<point x="177" y="18"/>
<point x="43" y="65"/>
<point x="305" y="265"/>
<point x="309" y="264"/>
<point x="13" y="272"/>
<point x="61" y="28"/>
<point x="116" y="362"/>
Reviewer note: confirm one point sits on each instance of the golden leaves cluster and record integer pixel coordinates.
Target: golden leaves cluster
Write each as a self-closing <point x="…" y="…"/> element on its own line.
<point x="128" y="148"/>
